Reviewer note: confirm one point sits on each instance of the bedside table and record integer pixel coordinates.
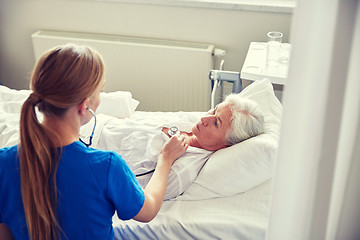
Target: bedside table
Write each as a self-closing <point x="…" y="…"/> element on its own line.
<point x="255" y="67"/>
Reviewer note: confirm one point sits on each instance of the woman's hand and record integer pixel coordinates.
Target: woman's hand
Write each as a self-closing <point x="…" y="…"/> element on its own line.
<point x="155" y="190"/>
<point x="174" y="148"/>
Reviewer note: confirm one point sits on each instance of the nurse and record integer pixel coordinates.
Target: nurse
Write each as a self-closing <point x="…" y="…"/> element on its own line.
<point x="51" y="185"/>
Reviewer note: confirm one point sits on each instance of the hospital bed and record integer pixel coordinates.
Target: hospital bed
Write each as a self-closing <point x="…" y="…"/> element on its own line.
<point x="230" y="196"/>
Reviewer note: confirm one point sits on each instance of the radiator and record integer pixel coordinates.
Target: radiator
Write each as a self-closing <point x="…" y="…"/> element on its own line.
<point x="162" y="75"/>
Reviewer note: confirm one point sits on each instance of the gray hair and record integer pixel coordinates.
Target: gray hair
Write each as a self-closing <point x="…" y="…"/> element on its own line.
<point x="247" y="119"/>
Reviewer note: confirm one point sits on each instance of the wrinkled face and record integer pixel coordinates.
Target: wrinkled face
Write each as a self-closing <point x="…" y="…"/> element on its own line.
<point x="212" y="129"/>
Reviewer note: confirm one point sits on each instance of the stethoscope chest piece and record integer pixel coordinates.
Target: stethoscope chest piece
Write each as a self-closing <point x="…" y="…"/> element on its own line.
<point x="172" y="131"/>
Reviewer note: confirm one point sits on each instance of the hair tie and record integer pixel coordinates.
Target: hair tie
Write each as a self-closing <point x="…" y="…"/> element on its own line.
<point x="34" y="98"/>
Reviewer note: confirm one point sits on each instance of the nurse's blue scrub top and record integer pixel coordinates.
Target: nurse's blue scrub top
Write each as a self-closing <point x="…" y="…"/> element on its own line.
<point x="91" y="183"/>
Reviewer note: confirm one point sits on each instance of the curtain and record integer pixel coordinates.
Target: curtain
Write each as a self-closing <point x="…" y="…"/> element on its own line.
<point x="315" y="192"/>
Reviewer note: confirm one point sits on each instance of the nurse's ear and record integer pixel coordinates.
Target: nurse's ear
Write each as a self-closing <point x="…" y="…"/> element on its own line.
<point x="83" y="106"/>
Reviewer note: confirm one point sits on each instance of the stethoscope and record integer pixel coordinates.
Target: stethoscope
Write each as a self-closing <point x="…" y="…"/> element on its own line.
<point x="172" y="131"/>
<point x="92" y="133"/>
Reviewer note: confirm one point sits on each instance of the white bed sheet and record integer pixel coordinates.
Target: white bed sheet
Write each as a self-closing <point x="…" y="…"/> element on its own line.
<point x="242" y="216"/>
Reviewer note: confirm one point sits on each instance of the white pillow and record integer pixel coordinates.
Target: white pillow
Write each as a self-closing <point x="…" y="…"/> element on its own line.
<point x="247" y="164"/>
<point x="118" y="104"/>
<point x="11" y="101"/>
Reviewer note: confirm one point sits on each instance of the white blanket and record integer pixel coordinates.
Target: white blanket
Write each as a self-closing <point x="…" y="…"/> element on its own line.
<point x="139" y="140"/>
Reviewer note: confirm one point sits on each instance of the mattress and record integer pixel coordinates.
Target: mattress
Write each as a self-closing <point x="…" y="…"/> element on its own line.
<point x="242" y="216"/>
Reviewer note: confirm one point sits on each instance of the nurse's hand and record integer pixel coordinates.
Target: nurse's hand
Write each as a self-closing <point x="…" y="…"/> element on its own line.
<point x="174" y="148"/>
<point x="155" y="190"/>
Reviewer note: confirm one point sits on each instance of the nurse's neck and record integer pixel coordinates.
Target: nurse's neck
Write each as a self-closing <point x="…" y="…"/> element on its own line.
<point x="66" y="128"/>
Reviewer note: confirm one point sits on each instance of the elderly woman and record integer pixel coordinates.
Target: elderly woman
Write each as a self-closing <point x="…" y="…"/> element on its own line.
<point x="232" y="121"/>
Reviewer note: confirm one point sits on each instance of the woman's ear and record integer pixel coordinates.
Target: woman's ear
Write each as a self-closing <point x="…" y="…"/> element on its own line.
<point x="83" y="106"/>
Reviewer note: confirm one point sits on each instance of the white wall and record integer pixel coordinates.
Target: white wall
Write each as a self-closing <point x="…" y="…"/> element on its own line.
<point x="227" y="29"/>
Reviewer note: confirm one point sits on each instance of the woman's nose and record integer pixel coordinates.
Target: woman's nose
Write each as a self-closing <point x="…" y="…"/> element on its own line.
<point x="205" y="120"/>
